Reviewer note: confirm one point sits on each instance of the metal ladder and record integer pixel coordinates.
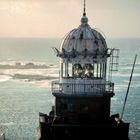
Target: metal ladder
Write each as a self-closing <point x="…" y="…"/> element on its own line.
<point x="113" y="62"/>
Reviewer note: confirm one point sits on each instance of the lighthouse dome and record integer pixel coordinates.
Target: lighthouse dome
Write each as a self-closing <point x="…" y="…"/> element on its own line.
<point x="83" y="41"/>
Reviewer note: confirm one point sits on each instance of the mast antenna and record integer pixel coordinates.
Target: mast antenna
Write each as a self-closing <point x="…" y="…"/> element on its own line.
<point x="128" y="87"/>
<point x="84" y="13"/>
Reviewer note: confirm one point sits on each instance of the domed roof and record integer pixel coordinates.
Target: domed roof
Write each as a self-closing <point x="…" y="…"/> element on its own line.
<point x="83" y="41"/>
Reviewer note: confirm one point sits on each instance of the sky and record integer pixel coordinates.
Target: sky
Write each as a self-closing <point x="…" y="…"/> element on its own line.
<point x="55" y="18"/>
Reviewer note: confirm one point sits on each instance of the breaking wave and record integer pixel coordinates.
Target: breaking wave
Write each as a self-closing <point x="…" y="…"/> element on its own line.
<point x="39" y="77"/>
<point x="4" y="78"/>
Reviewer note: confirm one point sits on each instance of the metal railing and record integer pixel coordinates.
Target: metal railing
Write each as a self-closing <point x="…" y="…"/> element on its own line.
<point x="74" y="88"/>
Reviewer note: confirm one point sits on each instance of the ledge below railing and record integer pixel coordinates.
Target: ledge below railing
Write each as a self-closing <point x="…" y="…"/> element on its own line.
<point x="78" y="88"/>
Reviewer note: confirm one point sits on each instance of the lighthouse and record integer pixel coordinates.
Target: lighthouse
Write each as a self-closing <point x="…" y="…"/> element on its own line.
<point x="83" y="92"/>
<point x="84" y="89"/>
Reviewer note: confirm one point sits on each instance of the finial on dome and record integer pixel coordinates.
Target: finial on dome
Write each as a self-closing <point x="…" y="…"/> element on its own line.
<point x="84" y="13"/>
<point x="84" y="19"/>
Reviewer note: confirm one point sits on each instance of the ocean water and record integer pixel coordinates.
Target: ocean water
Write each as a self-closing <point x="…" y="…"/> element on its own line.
<point x="21" y="100"/>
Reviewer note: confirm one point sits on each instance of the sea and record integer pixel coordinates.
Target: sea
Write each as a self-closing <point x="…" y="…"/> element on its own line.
<point x="21" y="99"/>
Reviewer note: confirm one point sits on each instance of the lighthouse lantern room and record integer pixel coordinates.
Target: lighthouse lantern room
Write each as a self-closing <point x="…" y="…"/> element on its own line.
<point x="83" y="92"/>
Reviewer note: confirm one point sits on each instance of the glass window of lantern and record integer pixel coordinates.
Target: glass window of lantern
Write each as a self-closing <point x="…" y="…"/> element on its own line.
<point x="88" y="71"/>
<point x="70" y="70"/>
<point x="77" y="70"/>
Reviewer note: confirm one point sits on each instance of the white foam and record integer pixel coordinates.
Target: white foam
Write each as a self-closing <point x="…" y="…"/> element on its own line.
<point x="52" y="72"/>
<point x="7" y="124"/>
<point x="126" y="74"/>
<point x="43" y="84"/>
<point x="4" y="78"/>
